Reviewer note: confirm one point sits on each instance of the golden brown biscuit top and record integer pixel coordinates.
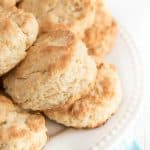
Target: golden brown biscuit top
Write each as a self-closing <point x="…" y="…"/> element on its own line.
<point x="105" y="82"/>
<point x="102" y="24"/>
<point x="9" y="29"/>
<point x="51" y="53"/>
<point x="16" y="123"/>
<point x="102" y="92"/>
<point x="59" y="11"/>
<point x="17" y="19"/>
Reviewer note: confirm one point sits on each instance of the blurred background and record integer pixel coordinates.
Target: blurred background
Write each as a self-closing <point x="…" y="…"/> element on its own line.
<point x="134" y="15"/>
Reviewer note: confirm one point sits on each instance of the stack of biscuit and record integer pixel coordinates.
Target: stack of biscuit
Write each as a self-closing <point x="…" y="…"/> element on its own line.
<point x="52" y="61"/>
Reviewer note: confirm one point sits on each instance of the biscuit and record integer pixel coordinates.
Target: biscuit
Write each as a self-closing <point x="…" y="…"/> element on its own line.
<point x="19" y="129"/>
<point x="99" y="38"/>
<point x="96" y="107"/>
<point x="18" y="31"/>
<point x="76" y="15"/>
<point x="56" y="68"/>
<point x="8" y="3"/>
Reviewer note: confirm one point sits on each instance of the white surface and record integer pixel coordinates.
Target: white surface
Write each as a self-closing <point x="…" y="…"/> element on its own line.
<point x="135" y="16"/>
<point x="125" y="57"/>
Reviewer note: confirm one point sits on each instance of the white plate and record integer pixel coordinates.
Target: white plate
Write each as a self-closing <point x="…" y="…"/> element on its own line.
<point x="125" y="56"/>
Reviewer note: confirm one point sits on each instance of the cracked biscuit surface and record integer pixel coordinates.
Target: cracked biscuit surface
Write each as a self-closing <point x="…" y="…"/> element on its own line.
<point x="18" y="31"/>
<point x="56" y="68"/>
<point x="99" y="38"/>
<point x="20" y="130"/>
<point x="95" y="108"/>
<point x="76" y="15"/>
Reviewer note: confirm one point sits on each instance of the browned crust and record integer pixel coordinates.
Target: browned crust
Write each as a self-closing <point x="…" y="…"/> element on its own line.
<point x="64" y="52"/>
<point x="88" y="93"/>
<point x="35" y="122"/>
<point x="90" y="127"/>
<point x="70" y="101"/>
<point x="12" y="130"/>
<point x="12" y="133"/>
<point x="108" y="36"/>
<point x="98" y="99"/>
<point x="74" y="14"/>
<point x="100" y="37"/>
<point x="5" y="101"/>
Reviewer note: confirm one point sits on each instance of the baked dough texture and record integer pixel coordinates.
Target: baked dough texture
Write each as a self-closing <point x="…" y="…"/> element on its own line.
<point x="77" y="15"/>
<point x="8" y="3"/>
<point x="95" y="108"/>
<point x="57" y="68"/>
<point x="20" y="130"/>
<point x="100" y="37"/>
<point x="18" y="31"/>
